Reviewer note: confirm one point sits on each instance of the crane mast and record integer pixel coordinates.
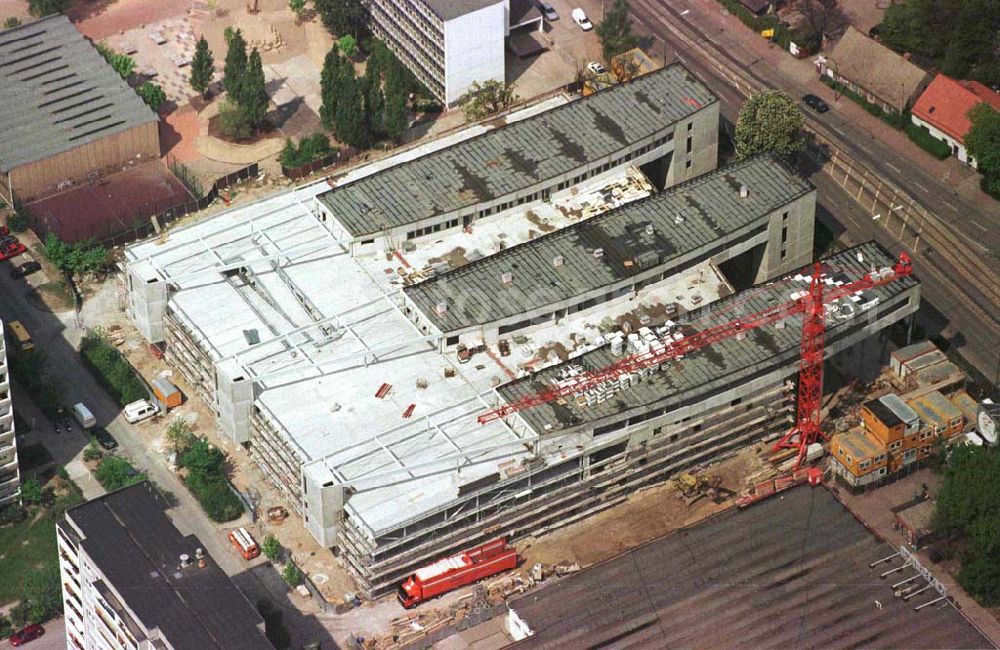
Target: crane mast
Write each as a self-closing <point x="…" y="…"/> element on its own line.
<point x="812" y="307"/>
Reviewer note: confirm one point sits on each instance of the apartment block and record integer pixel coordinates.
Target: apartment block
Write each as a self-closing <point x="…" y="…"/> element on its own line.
<point x="131" y="580"/>
<point x="10" y="479"/>
<point x="447" y="44"/>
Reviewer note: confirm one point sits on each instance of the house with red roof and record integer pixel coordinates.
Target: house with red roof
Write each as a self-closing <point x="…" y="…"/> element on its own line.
<point x="943" y="110"/>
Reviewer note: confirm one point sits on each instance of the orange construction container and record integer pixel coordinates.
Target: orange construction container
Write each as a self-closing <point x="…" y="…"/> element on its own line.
<point x="167" y="393"/>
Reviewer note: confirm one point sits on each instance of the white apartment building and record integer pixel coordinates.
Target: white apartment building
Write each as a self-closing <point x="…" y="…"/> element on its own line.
<point x="449" y="44"/>
<point x="131" y="580"/>
<point x="10" y="479"/>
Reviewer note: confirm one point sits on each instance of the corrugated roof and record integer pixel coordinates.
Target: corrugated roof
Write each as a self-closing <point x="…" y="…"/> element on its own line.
<point x="946" y="104"/>
<point x="633" y="239"/>
<point x="724" y="365"/>
<point x="896" y="404"/>
<point x="58" y="93"/>
<point x="518" y="156"/>
<point x="934" y="408"/>
<point x="860" y="444"/>
<point x="876" y="68"/>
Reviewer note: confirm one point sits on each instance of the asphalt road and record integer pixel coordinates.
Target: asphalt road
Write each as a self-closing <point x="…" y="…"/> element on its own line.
<point x="959" y="283"/>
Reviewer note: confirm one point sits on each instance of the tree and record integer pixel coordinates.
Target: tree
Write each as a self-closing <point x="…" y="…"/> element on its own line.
<point x="11" y="22"/>
<point x="769" y="122"/>
<point x="983" y="143"/>
<point x="41" y="594"/>
<point x="488" y="98"/>
<point x="123" y="64"/>
<point x="180" y="437"/>
<point x="292" y="574"/>
<point x="115" y="473"/>
<point x="350" y="118"/>
<point x="236" y="64"/>
<point x="233" y="121"/>
<point x="298" y="7"/>
<point x="79" y="258"/>
<point x="615" y="31"/>
<point x="202" y="68"/>
<point x="31" y="490"/>
<point x="203" y="458"/>
<point x="272" y="548"/>
<point x="348" y="46"/>
<point x="342" y="17"/>
<point x="825" y="18"/>
<point x="374" y="106"/>
<point x="252" y="95"/>
<point x="152" y="94"/>
<point x="40" y="8"/>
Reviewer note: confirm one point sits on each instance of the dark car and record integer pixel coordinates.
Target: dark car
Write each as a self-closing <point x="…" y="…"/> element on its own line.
<point x="26" y="634"/>
<point x="25" y="270"/>
<point x="104" y="439"/>
<point x="815" y="103"/>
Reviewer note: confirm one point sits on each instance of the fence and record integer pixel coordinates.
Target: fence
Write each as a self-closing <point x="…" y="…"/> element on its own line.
<point x="118" y="231"/>
<point x="340" y="157"/>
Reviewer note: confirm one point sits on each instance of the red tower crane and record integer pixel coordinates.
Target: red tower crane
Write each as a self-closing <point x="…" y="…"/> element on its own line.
<point x="812" y="308"/>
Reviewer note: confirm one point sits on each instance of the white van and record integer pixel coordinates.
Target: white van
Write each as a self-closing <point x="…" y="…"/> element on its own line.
<point x="580" y="18"/>
<point x="84" y="416"/>
<point x="139" y="411"/>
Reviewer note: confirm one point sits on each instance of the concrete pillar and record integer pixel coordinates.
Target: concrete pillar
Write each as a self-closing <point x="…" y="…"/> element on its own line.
<point x="234" y="399"/>
<point x="147" y="302"/>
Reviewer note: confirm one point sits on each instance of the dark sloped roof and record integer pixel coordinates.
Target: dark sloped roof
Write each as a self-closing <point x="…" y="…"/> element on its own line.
<point x="724" y="365"/>
<point x="519" y="155"/>
<point x="710" y="206"/>
<point x="58" y="93"/>
<point x="129" y="536"/>
<point x="789" y="572"/>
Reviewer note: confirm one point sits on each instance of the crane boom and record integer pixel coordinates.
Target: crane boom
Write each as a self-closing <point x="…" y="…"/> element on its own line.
<point x="811" y="305"/>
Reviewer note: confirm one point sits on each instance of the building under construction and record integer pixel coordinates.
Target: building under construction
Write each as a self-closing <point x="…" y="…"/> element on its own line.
<point x="354" y="355"/>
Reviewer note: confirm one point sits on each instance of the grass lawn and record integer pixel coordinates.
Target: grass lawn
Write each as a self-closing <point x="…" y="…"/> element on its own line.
<point x="31" y="544"/>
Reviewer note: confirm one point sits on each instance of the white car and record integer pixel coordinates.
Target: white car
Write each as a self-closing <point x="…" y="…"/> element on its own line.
<point x="548" y="11"/>
<point x="140" y="410"/>
<point x="581" y="19"/>
<point x="596" y="67"/>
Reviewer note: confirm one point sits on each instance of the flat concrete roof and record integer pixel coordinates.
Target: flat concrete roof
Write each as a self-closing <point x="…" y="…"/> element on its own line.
<point x="724" y="364"/>
<point x="518" y="156"/>
<point x="788" y="572"/>
<point x="451" y="9"/>
<point x="58" y="93"/>
<point x="649" y="233"/>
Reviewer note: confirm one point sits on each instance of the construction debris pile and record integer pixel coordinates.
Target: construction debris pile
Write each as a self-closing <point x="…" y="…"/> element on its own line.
<point x="420" y="629"/>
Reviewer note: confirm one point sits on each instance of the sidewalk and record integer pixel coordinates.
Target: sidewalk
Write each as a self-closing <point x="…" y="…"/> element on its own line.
<point x="874" y="508"/>
<point x="731" y="33"/>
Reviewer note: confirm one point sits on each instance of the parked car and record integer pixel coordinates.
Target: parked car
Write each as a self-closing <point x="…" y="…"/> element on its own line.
<point x="25" y="270"/>
<point x="105" y="439"/>
<point x="815" y="103"/>
<point x="596" y="67"/>
<point x="580" y="18"/>
<point x="26" y="634"/>
<point x="548" y="11"/>
<point x="140" y="410"/>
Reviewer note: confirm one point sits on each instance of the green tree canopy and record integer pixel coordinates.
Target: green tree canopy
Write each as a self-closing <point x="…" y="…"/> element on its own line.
<point x="41" y="594"/>
<point x="115" y="472"/>
<point x="983" y="143"/>
<point x="336" y="71"/>
<point x="203" y="458"/>
<point x="252" y="95"/>
<point x="236" y="64"/>
<point x="272" y="548"/>
<point x="352" y="125"/>
<point x="152" y="94"/>
<point x="202" y="68"/>
<point x="348" y="46"/>
<point x="769" y="122"/>
<point x="342" y="17"/>
<point x="298" y="7"/>
<point x="488" y="98"/>
<point x="615" y="31"/>
<point x="292" y="574"/>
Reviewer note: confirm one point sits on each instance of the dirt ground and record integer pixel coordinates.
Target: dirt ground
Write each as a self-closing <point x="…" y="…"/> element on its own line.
<point x="648" y="514"/>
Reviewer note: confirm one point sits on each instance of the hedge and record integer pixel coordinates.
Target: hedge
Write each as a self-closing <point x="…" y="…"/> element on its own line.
<point x="215" y="496"/>
<point x="892" y="118"/>
<point x="113" y="371"/>
<point x="311" y="148"/>
<point x="919" y="134"/>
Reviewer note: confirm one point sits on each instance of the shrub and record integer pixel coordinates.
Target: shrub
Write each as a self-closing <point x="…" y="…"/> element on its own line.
<point x="10" y="23"/>
<point x="892" y="118"/>
<point x="115" y="473"/>
<point x="113" y="371"/>
<point x="424" y="105"/>
<point x="31" y="490"/>
<point x="272" y="548"/>
<point x="62" y="473"/>
<point x="92" y="451"/>
<point x="920" y="135"/>
<point x="233" y="121"/>
<point x="292" y="574"/>
<point x="41" y="597"/>
<point x="181" y="437"/>
<point x="313" y="147"/>
<point x="215" y="496"/>
<point x="12" y="513"/>
<point x="152" y="94"/>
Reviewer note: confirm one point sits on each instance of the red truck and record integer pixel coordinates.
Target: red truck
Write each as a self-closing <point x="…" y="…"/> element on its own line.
<point x="458" y="570"/>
